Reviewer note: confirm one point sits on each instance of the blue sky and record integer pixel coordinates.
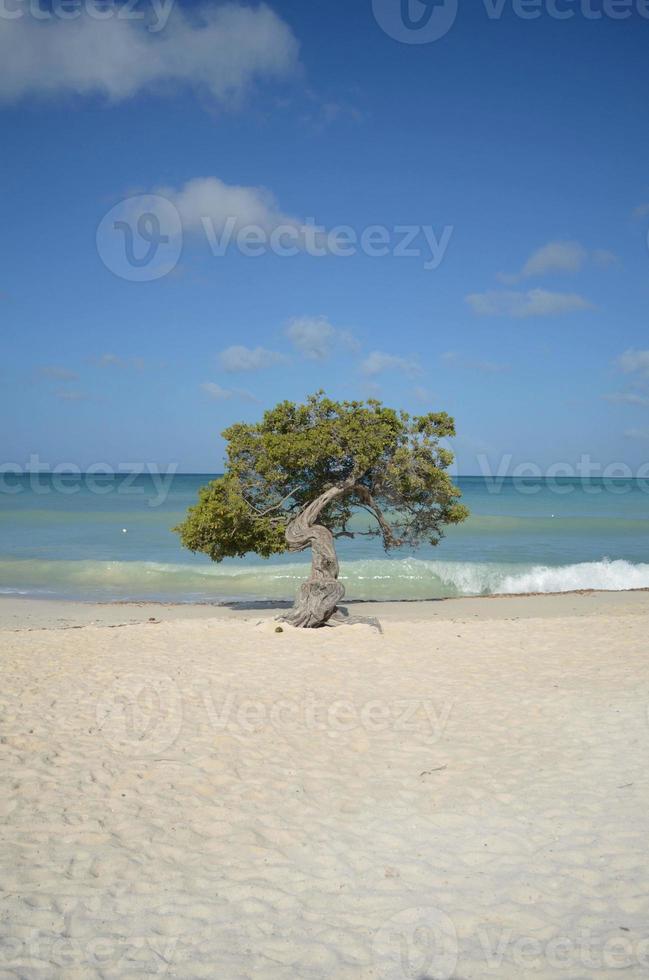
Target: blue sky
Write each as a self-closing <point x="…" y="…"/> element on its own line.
<point x="517" y="146"/>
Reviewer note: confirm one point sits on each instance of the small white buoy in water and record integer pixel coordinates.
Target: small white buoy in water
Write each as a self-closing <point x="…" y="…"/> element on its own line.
<point x="124" y="530"/>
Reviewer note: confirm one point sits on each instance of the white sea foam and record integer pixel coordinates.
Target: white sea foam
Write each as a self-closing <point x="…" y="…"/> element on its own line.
<point x="484" y="578"/>
<point x="408" y="578"/>
<point x="611" y="576"/>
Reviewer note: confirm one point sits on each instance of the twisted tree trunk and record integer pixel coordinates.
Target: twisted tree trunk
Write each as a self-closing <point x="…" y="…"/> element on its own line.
<point x="318" y="597"/>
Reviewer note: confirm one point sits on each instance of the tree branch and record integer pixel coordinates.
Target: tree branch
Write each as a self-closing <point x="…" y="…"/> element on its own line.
<point x="370" y="505"/>
<point x="269" y="510"/>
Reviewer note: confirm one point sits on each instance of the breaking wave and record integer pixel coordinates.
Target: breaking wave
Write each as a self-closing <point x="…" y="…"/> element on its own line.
<point x="408" y="578"/>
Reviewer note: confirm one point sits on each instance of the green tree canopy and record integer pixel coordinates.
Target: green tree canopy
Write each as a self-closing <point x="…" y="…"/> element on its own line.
<point x="306" y="468"/>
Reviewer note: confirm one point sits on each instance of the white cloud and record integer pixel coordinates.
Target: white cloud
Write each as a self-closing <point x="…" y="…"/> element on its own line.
<point x="377" y="362"/>
<point x="219" y="49"/>
<point x="315" y="337"/>
<point x="558" y="256"/>
<point x="627" y="398"/>
<point x="205" y="204"/>
<point x="634" y="361"/>
<point x="216" y="392"/>
<point x="555" y="257"/>
<point x="535" y="302"/>
<point x="237" y="216"/>
<point x="311" y="336"/>
<point x="637" y="433"/>
<point x="239" y="358"/>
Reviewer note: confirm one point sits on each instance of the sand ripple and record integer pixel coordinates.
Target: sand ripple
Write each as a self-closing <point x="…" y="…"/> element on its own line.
<point x="211" y="799"/>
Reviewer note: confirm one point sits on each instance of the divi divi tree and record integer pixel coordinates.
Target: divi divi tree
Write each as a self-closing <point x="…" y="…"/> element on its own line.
<point x="294" y="480"/>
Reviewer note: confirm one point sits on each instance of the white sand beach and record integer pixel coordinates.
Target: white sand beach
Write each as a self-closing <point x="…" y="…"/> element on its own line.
<point x="462" y="796"/>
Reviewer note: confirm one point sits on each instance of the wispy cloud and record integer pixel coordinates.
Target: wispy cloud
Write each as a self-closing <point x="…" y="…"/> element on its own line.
<point x="239" y="358"/>
<point x="626" y="398"/>
<point x="641" y="211"/>
<point x="218" y="393"/>
<point x="215" y="391"/>
<point x="554" y="257"/>
<point x="372" y="389"/>
<point x="111" y="360"/>
<point x="485" y="367"/>
<point x="378" y="361"/>
<point x="558" y="256"/>
<point x="315" y="337"/>
<point x="423" y="395"/>
<point x="328" y="113"/>
<point x="634" y="361"/>
<point x="604" y="258"/>
<point x="520" y="305"/>
<point x="57" y="373"/>
<point x="637" y="433"/>
<point x="71" y="395"/>
<point x="221" y="50"/>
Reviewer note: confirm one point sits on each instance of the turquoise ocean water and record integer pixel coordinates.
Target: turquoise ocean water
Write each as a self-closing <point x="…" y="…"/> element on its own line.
<point x="62" y="538"/>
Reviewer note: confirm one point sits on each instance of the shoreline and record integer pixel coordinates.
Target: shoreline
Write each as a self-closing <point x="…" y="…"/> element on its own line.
<point x="18" y="612"/>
